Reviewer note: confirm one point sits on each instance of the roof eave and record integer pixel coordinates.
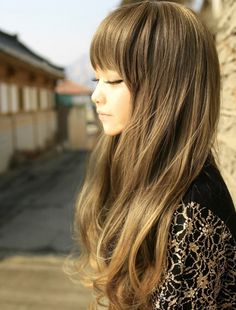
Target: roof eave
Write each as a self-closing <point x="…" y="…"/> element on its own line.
<point x="43" y="65"/>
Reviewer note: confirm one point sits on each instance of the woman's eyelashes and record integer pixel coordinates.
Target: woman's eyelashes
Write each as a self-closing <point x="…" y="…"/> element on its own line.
<point x="108" y="81"/>
<point x="114" y="82"/>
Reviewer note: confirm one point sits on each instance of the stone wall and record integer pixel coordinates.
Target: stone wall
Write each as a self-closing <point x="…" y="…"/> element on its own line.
<point x="226" y="46"/>
<point x="77" y="135"/>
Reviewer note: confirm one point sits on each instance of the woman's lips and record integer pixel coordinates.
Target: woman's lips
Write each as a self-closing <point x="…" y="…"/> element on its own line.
<point x="103" y="116"/>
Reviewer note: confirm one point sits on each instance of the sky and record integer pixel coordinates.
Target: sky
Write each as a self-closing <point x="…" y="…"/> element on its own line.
<point x="58" y="30"/>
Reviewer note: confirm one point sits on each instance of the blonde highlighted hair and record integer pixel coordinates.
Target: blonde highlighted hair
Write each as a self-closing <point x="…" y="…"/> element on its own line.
<point x="137" y="179"/>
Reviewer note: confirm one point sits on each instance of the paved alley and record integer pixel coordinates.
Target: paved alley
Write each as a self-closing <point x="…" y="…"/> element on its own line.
<point x="37" y="204"/>
<point x="36" y="217"/>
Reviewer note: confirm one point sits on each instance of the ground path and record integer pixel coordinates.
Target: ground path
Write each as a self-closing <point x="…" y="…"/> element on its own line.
<point x="36" y="215"/>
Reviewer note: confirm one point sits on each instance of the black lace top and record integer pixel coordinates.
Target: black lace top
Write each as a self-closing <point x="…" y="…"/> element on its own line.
<point x="201" y="272"/>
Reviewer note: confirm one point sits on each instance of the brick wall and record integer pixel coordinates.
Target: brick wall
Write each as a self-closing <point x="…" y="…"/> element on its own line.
<point x="226" y="46"/>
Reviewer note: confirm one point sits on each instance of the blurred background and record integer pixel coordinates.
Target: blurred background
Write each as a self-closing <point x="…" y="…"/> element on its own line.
<point x="48" y="128"/>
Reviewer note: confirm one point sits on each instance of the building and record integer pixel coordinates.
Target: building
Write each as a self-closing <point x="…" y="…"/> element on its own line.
<point x="28" y="121"/>
<point x="78" y="124"/>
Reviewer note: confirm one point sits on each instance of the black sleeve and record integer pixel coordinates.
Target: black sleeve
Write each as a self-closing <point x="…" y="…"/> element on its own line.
<point x="201" y="269"/>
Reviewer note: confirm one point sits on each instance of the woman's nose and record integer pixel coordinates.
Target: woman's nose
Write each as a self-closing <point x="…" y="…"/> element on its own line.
<point x="97" y="96"/>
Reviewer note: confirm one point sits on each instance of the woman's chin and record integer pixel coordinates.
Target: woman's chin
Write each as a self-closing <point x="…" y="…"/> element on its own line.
<point x="111" y="131"/>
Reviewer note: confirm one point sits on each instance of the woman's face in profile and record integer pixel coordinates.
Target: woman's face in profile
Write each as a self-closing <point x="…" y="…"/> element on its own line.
<point x="112" y="99"/>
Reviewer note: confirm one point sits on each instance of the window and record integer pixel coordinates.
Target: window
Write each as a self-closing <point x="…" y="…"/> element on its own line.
<point x="14" y="99"/>
<point x="34" y="98"/>
<point x="26" y="98"/>
<point x="4" y="98"/>
<point x="43" y="99"/>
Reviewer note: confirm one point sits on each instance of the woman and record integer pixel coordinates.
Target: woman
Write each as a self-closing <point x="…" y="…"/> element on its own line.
<point x="154" y="218"/>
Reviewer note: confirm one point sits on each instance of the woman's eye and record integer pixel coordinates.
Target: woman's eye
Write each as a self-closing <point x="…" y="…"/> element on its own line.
<point x="114" y="82"/>
<point x="108" y="81"/>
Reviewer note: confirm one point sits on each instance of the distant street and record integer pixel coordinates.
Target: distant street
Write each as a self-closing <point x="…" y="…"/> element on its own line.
<point x="37" y="204"/>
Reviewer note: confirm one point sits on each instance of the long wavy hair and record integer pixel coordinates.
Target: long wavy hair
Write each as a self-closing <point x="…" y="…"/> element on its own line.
<point x="135" y="180"/>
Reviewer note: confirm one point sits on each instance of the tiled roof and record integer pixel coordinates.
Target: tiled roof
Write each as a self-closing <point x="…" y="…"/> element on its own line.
<point x="10" y="45"/>
<point x="68" y="87"/>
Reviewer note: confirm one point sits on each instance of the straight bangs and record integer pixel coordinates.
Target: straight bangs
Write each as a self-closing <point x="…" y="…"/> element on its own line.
<point x="115" y="42"/>
<point x="105" y="46"/>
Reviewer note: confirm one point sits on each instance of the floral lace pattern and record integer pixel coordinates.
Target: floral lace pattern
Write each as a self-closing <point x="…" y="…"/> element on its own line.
<point x="201" y="270"/>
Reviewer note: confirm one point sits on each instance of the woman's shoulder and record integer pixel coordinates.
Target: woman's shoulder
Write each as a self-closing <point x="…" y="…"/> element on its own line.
<point x="207" y="196"/>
